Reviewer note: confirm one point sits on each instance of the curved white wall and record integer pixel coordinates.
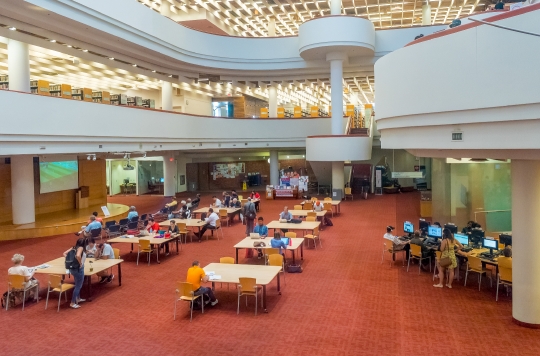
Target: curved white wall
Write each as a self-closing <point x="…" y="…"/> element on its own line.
<point x="338" y="148"/>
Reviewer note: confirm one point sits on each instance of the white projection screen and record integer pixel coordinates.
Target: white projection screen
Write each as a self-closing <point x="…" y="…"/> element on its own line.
<point x="59" y="172"/>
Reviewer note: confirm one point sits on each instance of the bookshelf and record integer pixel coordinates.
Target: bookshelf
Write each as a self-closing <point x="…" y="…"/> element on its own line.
<point x="119" y="99"/>
<point x="103" y="97"/>
<point x="149" y="103"/>
<point x="40" y="87"/>
<point x="4" y="81"/>
<point x="134" y="101"/>
<point x="60" y="90"/>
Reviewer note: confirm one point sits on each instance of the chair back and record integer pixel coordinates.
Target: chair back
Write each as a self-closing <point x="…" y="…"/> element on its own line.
<point x="313" y="199"/>
<point x="133" y="225"/>
<point x="328" y="207"/>
<point x="95" y="232"/>
<point x="388" y="245"/>
<point x="16" y="281"/>
<point x="144" y="244"/>
<point x="114" y="228"/>
<point x="143" y="216"/>
<point x="55" y="281"/>
<point x="290" y="234"/>
<point x="297" y="207"/>
<point x="218" y="224"/>
<point x="222" y="213"/>
<point x="438" y="255"/>
<point x="182" y="228"/>
<point x="316" y="231"/>
<point x="307" y="206"/>
<point x="184" y="289"/>
<point x="247" y="284"/>
<point x="475" y="263"/>
<point x="312" y="213"/>
<point x="123" y="222"/>
<point x="228" y="260"/>
<point x="243" y="201"/>
<point x="311" y="218"/>
<point x="275" y="259"/>
<point x="271" y="251"/>
<point x="505" y="268"/>
<point x="134" y="219"/>
<point x="348" y="191"/>
<point x="116" y="253"/>
<point x="327" y="199"/>
<point x="110" y="223"/>
<point x="416" y="250"/>
<point x="241" y="197"/>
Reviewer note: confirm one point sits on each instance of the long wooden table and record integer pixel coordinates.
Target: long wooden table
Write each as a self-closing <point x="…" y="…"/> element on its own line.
<point x="305" y="212"/>
<point x="230" y="273"/>
<point x="58" y="266"/>
<point x="246" y="243"/>
<point x="336" y="204"/>
<point x="304" y="225"/>
<point x="159" y="242"/>
<point x="190" y="223"/>
<point x="231" y="212"/>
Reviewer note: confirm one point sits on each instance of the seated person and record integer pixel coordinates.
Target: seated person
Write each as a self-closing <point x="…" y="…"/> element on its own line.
<point x="91" y="247"/>
<point x="318" y="206"/>
<point x="262" y="230"/>
<point x="398" y="244"/>
<point x="276" y="242"/>
<point x="210" y="223"/>
<point x="196" y="201"/>
<point x="132" y="213"/>
<point x="420" y="241"/>
<point x="98" y="219"/>
<point x="152" y="226"/>
<point x="507" y="252"/>
<point x="217" y="202"/>
<point x="173" y="230"/>
<point x="93" y="224"/>
<point x="255" y="195"/>
<point x="236" y="204"/>
<point x="196" y="276"/>
<point x="26" y="272"/>
<point x="105" y="252"/>
<point x="467" y="229"/>
<point x="171" y="205"/>
<point x="285" y="214"/>
<point x="189" y="204"/>
<point x="182" y="213"/>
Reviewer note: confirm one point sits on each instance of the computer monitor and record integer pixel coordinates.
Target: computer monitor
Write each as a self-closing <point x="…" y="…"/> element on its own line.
<point x="162" y="180"/>
<point x="126" y="181"/>
<point x="505" y="239"/>
<point x="452" y="227"/>
<point x="423" y="225"/>
<point x="476" y="236"/>
<point x="434" y="231"/>
<point x="408" y="227"/>
<point x="491" y="244"/>
<point x="462" y="238"/>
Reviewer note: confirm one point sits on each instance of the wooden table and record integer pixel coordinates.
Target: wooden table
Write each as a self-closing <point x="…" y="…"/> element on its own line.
<point x="230" y="211"/>
<point x="159" y="242"/>
<point x="58" y="266"/>
<point x="189" y="223"/>
<point x="248" y="243"/>
<point x="230" y="273"/>
<point x="336" y="204"/>
<point x="304" y="225"/>
<point x="305" y="213"/>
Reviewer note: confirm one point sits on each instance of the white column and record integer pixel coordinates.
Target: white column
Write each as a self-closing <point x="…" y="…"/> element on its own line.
<point x="22" y="189"/>
<point x="336" y="85"/>
<point x="272" y="27"/>
<point x="338" y="175"/>
<point x="166" y="96"/>
<point x="272" y="101"/>
<point x="525" y="242"/>
<point x="274" y="168"/>
<point x="426" y="14"/>
<point x="165" y="8"/>
<point x="335" y="8"/>
<point x="169" y="175"/>
<point x="18" y="66"/>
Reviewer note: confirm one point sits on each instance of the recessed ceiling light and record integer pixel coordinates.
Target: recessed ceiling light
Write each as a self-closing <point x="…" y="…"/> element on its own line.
<point x="170" y="76"/>
<point x="85" y="50"/>
<point x="12" y="28"/>
<point x="111" y="58"/>
<point x="133" y="65"/>
<point x="52" y="41"/>
<point x="69" y="46"/>
<point x="153" y="71"/>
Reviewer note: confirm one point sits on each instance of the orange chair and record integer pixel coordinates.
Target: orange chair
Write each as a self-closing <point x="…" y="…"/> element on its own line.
<point x="248" y="287"/>
<point x="328" y="207"/>
<point x="223" y="216"/>
<point x="184" y="291"/>
<point x="474" y="264"/>
<point x="17" y="284"/>
<point x="144" y="247"/>
<point x="348" y="193"/>
<point x="504" y="276"/>
<point x="57" y="285"/>
<point x="416" y="254"/>
<point x="290" y="234"/>
<point x="313" y="236"/>
<point x="297" y="207"/>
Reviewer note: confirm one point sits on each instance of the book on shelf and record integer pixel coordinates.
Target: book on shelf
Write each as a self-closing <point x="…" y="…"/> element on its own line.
<point x="149" y="103"/>
<point x="40" y="87"/>
<point x="101" y="97"/>
<point x="118" y="99"/>
<point x="134" y="101"/>
<point x="4" y="81"/>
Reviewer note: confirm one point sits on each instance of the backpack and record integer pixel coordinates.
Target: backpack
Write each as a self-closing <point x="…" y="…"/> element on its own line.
<point x="328" y="222"/>
<point x="250" y="212"/>
<point x="71" y="260"/>
<point x="11" y="300"/>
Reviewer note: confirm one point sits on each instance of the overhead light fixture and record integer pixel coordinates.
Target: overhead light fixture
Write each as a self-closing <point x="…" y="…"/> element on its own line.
<point x="170" y="76"/>
<point x="111" y="58"/>
<point x="52" y="41"/>
<point x="94" y="158"/>
<point x="69" y="46"/>
<point x="85" y="50"/>
<point x="144" y="155"/>
<point x="153" y="71"/>
<point x="12" y="28"/>
<point x="133" y="65"/>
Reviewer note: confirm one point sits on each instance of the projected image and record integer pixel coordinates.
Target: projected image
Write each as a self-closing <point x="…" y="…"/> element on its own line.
<point x="56" y="176"/>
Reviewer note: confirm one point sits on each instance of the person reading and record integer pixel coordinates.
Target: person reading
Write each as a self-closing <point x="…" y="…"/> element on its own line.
<point x="196" y="276"/>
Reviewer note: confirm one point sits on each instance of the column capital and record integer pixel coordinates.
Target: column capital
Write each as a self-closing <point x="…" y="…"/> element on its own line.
<point x="335" y="56"/>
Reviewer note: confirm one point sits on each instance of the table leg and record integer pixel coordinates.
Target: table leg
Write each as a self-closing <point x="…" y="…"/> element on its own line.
<point x="293" y="259"/>
<point x="302" y="252"/>
<point x="176" y="245"/>
<point x="278" y="284"/>
<point x="131" y="249"/>
<point x="236" y="256"/>
<point x="264" y="299"/>
<point x="157" y="253"/>
<point x="213" y="287"/>
<point x="89" y="288"/>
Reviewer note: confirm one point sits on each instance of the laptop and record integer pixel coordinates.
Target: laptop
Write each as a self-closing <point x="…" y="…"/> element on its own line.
<point x="254" y="235"/>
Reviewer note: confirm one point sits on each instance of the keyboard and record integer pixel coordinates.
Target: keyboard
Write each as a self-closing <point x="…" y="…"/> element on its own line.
<point x="467" y="249"/>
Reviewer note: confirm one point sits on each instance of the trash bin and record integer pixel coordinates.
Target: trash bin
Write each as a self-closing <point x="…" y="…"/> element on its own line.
<point x="337" y="194"/>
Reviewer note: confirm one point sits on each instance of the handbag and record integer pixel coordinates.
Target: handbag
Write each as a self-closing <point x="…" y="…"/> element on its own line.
<point x="259" y="244"/>
<point x="445" y="261"/>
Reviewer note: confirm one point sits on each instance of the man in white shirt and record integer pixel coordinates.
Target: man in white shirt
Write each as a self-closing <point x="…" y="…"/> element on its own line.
<point x="105" y="252"/>
<point x="217" y="202"/>
<point x="210" y="223"/>
<point x="398" y="244"/>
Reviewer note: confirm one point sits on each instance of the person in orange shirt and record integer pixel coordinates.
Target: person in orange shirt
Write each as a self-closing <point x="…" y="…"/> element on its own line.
<point x="196" y="276"/>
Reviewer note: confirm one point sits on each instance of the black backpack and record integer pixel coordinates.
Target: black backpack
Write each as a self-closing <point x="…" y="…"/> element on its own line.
<point x="71" y="260"/>
<point x="250" y="211"/>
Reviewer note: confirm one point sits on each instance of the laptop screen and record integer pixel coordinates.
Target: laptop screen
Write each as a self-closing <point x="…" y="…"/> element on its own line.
<point x="285" y="240"/>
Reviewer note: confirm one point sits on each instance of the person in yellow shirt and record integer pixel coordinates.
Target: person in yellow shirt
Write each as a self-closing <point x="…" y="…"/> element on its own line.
<point x="196" y="276"/>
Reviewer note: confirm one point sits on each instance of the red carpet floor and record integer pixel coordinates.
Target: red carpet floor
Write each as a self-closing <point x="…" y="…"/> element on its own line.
<point x="346" y="302"/>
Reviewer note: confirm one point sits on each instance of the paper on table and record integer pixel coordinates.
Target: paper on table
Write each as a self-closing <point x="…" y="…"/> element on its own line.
<point x="210" y="273"/>
<point x="215" y="277"/>
<point x="42" y="266"/>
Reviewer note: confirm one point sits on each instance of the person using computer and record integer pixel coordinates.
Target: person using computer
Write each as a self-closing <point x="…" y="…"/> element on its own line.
<point x="507" y="252"/>
<point x="447" y="251"/>
<point x="276" y="242"/>
<point x="262" y="230"/>
<point x="467" y="229"/>
<point x="426" y="251"/>
<point x="398" y="244"/>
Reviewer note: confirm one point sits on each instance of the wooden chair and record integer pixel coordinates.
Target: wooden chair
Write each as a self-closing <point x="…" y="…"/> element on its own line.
<point x="183" y="231"/>
<point x="328" y="199"/>
<point x="248" y="287"/>
<point x="311" y="218"/>
<point x="504" y="276"/>
<point x="217" y="229"/>
<point x="276" y="259"/>
<point x="268" y="252"/>
<point x="416" y="253"/>
<point x="328" y="208"/>
<point x="311" y="213"/>
<point x="290" y="234"/>
<point x="297" y="207"/>
<point x="388" y="247"/>
<point x="116" y="253"/>
<point x="228" y="260"/>
<point x="314" y="199"/>
<point x="348" y="193"/>
<point x="184" y="291"/>
<point x="242" y="201"/>
<point x="313" y="236"/>
<point x="17" y="284"/>
<point x="57" y="285"/>
<point x="144" y="247"/>
<point x="474" y="264"/>
<point x="241" y="197"/>
<point x="223" y="215"/>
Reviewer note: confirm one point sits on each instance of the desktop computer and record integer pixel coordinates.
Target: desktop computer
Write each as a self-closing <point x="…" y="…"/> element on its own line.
<point x="408" y="227"/>
<point x="491" y="244"/>
<point x="476" y="236"/>
<point x="423" y="225"/>
<point x="505" y="239"/>
<point x="464" y="240"/>
<point x="434" y="231"/>
<point x="452" y="227"/>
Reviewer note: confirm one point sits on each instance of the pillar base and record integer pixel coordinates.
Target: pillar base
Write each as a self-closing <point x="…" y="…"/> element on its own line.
<point x="526" y="325"/>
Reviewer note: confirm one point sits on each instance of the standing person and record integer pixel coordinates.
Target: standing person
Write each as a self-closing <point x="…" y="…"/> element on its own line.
<point x="196" y="276"/>
<point x="226" y="199"/>
<point x="250" y="215"/>
<point x="210" y="223"/>
<point x="256" y="195"/>
<point x="75" y="262"/>
<point x="447" y="249"/>
<point x="27" y="273"/>
<point x="105" y="252"/>
<point x="234" y="194"/>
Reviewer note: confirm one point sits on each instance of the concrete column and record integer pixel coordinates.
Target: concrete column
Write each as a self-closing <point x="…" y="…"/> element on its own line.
<point x="274" y="168"/>
<point x="166" y="96"/>
<point x="526" y="242"/>
<point x="441" y="190"/>
<point x="336" y="84"/>
<point x="22" y="189"/>
<point x="338" y="175"/>
<point x="335" y="8"/>
<point x="426" y="14"/>
<point x="272" y="101"/>
<point x="18" y="66"/>
<point x="165" y="8"/>
<point x="169" y="173"/>
<point x="272" y="27"/>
